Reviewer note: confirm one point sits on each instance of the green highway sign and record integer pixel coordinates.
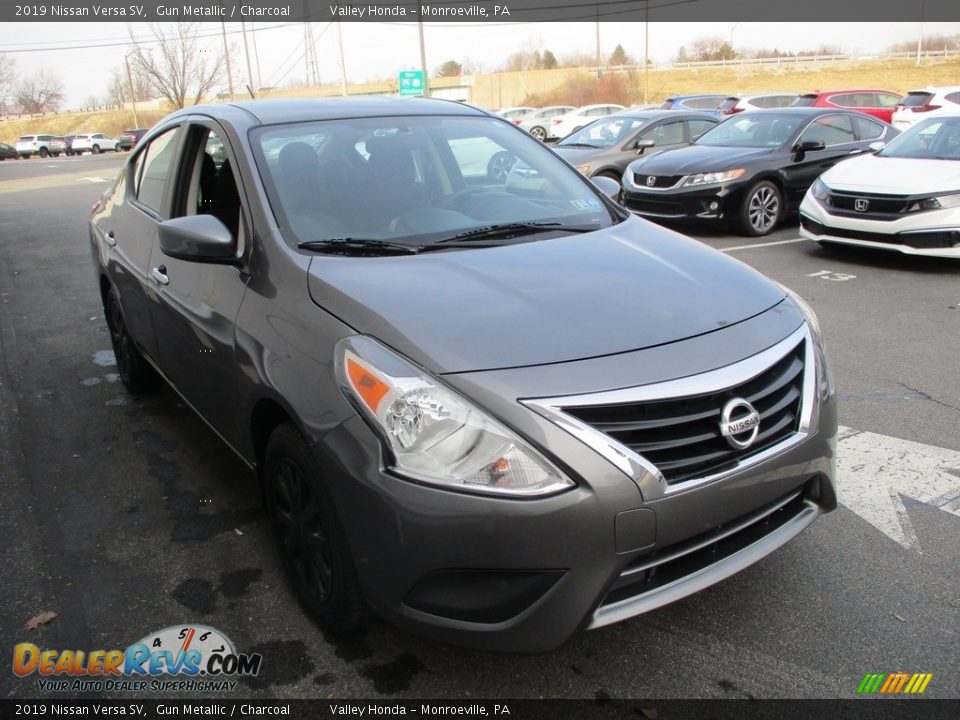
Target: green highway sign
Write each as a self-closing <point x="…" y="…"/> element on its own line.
<point x="410" y="82"/>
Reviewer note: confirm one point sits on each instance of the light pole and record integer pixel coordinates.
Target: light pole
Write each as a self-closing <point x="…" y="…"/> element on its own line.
<point x="226" y="55"/>
<point x="732" y="28"/>
<point x="923" y="10"/>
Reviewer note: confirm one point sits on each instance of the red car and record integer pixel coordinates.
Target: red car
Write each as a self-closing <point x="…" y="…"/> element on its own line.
<point x="879" y="103"/>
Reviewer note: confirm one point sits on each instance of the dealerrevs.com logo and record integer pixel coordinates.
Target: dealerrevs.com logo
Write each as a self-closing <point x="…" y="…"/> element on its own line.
<point x="187" y="658"/>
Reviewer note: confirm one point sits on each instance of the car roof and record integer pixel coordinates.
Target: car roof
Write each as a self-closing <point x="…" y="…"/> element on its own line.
<point x="934" y="89"/>
<point x="697" y="95"/>
<point x="808" y="111"/>
<point x="656" y="114"/>
<point x="283" y="110"/>
<point x="816" y="93"/>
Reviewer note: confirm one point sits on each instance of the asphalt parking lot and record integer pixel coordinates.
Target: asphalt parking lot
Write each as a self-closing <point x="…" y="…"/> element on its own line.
<point x="125" y="515"/>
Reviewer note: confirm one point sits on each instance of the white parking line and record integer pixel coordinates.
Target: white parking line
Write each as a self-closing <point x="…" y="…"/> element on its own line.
<point x="875" y="472"/>
<point x="762" y="245"/>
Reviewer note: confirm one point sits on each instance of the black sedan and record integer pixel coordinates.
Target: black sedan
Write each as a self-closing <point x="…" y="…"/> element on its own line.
<point x="606" y="146"/>
<point x="751" y="169"/>
<point x="8" y="152"/>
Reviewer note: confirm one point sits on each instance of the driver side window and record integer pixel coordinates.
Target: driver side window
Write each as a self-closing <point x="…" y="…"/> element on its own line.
<point x="830" y="130"/>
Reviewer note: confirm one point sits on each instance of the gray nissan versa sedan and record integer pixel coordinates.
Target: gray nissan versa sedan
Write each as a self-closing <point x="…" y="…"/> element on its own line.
<point x="496" y="409"/>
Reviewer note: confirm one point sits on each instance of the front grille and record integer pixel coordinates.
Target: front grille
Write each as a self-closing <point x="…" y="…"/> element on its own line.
<point x="681" y="436"/>
<point x="879" y="207"/>
<point x="659" y="181"/>
<point x="667" y="565"/>
<point x="918" y="240"/>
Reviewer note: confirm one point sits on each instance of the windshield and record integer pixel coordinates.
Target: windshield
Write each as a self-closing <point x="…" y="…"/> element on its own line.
<point x="609" y="131"/>
<point x="933" y="139"/>
<point x="416" y="180"/>
<point x="762" y="129"/>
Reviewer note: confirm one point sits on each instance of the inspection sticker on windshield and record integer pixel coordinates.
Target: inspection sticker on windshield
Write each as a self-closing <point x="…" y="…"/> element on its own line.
<point x="586" y="203"/>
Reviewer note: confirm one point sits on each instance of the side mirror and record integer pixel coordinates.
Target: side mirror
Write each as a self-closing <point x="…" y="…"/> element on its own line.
<point x="808" y="146"/>
<point x="877" y="146"/>
<point x="198" y="238"/>
<point x="642" y="145"/>
<point x="608" y="186"/>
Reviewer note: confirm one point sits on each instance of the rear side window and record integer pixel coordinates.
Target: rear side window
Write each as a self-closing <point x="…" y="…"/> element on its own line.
<point x="830" y="130"/>
<point x="26" y="138"/>
<point x="153" y="169"/>
<point x="853" y="100"/>
<point x="953" y="97"/>
<point x="916" y="99"/>
<point x="868" y="129"/>
<point x="774" y="101"/>
<point x="804" y="101"/>
<point x="703" y="103"/>
<point x="886" y="100"/>
<point x="45" y="137"/>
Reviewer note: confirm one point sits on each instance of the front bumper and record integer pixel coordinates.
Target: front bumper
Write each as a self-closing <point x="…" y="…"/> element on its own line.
<point x="933" y="233"/>
<point x="525" y="575"/>
<point x="712" y="202"/>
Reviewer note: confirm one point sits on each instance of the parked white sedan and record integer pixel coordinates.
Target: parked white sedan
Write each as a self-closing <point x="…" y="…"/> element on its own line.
<point x="571" y="122"/>
<point x="538" y="122"/>
<point x="906" y="197"/>
<point x="94" y="143"/>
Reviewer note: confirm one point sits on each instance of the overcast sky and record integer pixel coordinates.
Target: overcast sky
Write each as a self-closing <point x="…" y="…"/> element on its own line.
<point x="379" y="50"/>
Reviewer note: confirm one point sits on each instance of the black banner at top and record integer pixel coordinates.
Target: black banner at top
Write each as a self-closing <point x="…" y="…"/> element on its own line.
<point x="473" y="11"/>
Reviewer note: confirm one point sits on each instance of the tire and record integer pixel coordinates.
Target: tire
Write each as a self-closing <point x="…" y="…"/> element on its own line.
<point x="43" y="152"/>
<point x="313" y="547"/>
<point x="95" y="150"/>
<point x="137" y="374"/>
<point x="116" y="148"/>
<point x="539" y="133"/>
<point x="498" y="167"/>
<point x="761" y="209"/>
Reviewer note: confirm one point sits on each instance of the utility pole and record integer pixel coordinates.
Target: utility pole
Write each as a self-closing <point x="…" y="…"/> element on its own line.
<point x="341" y="62"/>
<point x="226" y="55"/>
<point x="246" y="49"/>
<point x="598" y="44"/>
<point x="646" y="51"/>
<point x="923" y="11"/>
<point x="256" y="57"/>
<point x="133" y="95"/>
<point x="423" y="55"/>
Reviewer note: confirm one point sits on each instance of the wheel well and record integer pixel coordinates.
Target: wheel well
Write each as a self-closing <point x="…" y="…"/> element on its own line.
<point x="267" y="415"/>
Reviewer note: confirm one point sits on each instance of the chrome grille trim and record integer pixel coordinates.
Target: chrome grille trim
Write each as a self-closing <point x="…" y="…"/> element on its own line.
<point x="645" y="474"/>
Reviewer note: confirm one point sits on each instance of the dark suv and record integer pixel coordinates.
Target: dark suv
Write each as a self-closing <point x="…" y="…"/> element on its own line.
<point x="496" y="408"/>
<point x="129" y="138"/>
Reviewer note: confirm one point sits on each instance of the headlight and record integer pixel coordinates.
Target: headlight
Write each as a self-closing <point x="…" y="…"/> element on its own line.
<point x="435" y="435"/>
<point x="942" y="202"/>
<point x="713" y="178"/>
<point x="820" y="190"/>
<point x="825" y="382"/>
<point x="585" y="169"/>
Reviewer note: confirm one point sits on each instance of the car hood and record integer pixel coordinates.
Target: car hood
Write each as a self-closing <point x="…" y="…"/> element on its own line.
<point x="624" y="288"/>
<point x="697" y="159"/>
<point x="908" y="176"/>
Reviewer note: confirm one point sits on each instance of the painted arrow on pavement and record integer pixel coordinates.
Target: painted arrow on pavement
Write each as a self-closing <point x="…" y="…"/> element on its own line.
<point x="875" y="472"/>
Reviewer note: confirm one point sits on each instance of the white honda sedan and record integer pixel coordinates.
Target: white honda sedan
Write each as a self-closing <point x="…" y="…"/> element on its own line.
<point x="905" y="197"/>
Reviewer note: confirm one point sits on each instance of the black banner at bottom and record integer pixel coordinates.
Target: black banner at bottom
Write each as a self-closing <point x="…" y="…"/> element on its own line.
<point x="876" y="709"/>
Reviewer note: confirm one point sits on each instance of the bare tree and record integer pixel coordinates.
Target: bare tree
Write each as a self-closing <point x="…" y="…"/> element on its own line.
<point x="8" y="75"/>
<point x="180" y="67"/>
<point x="712" y="47"/>
<point x="118" y="87"/>
<point x="450" y="68"/>
<point x="40" y="92"/>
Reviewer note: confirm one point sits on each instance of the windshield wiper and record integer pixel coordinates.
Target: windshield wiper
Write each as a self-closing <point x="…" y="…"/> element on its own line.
<point x="357" y="246"/>
<point x="595" y="147"/>
<point x="515" y="229"/>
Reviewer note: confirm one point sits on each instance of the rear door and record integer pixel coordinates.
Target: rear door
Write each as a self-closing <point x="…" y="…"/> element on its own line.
<point x="131" y="231"/>
<point x="196" y="304"/>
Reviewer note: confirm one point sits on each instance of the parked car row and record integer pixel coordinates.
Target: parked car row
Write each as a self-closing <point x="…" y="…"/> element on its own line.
<point x="55" y="145"/>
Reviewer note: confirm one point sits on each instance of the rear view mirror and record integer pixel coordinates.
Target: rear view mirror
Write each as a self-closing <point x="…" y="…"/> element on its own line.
<point x="642" y="145"/>
<point x="198" y="238"/>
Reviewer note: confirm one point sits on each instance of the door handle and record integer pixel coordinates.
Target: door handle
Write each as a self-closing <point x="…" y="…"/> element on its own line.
<point x="159" y="274"/>
<point x="111" y="240"/>
<point x="855" y="152"/>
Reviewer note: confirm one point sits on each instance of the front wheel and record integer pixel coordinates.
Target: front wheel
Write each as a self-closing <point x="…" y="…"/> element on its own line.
<point x="761" y="209"/>
<point x="95" y="150"/>
<point x="116" y="148"/>
<point x="43" y="152"/>
<point x="499" y="166"/>
<point x="308" y="534"/>
<point x="136" y="373"/>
